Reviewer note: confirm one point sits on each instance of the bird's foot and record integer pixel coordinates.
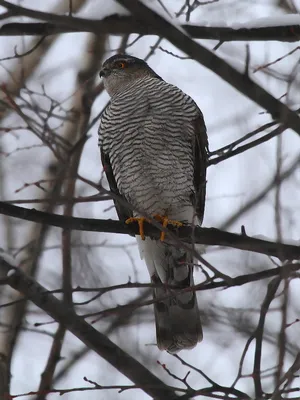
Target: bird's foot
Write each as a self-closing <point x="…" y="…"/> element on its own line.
<point x="165" y="221"/>
<point x="140" y="221"/>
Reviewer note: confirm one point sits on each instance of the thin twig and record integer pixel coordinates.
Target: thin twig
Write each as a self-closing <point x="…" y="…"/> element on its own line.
<point x="94" y="339"/>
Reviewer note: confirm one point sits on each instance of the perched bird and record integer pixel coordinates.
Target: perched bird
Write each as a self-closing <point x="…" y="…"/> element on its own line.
<point x="154" y="152"/>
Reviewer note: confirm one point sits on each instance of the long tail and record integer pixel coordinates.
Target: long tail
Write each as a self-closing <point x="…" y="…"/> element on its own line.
<point x="177" y="318"/>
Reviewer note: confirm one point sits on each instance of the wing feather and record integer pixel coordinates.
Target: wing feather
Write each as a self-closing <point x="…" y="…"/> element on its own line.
<point x="200" y="166"/>
<point x="119" y="201"/>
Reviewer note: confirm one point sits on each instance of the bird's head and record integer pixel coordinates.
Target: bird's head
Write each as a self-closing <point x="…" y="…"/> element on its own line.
<point x="121" y="70"/>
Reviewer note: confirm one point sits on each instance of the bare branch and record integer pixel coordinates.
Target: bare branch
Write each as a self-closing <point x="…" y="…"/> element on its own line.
<point x="261" y="195"/>
<point x="249" y="135"/>
<point x="241" y="149"/>
<point x="272" y="288"/>
<point x="119" y="25"/>
<point x="17" y="55"/>
<point x="95" y="340"/>
<point x="208" y="236"/>
<point x="277" y="60"/>
<point x="288" y="377"/>
<point x="87" y="73"/>
<point x="150" y="19"/>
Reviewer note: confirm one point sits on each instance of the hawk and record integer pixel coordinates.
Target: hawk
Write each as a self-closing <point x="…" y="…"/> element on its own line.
<point x="154" y="152"/>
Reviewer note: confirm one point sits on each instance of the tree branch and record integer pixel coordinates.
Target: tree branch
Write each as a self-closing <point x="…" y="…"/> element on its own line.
<point x="87" y="72"/>
<point x="207" y="236"/>
<point x="259" y="332"/>
<point x="261" y="195"/>
<point x="119" y="25"/>
<point x="151" y="22"/>
<point x="95" y="340"/>
<point x="241" y="149"/>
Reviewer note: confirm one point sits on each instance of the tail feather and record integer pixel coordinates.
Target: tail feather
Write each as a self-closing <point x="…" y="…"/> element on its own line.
<point x="177" y="317"/>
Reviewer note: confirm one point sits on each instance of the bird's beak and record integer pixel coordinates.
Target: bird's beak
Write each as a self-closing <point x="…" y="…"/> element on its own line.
<point x="104" y="72"/>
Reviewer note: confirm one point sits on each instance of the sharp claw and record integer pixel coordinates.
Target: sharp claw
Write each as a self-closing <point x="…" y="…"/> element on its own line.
<point x="140" y="221"/>
<point x="141" y="227"/>
<point x="165" y="222"/>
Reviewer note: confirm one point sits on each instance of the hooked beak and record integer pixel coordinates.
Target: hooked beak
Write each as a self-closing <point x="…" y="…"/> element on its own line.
<point x="104" y="72"/>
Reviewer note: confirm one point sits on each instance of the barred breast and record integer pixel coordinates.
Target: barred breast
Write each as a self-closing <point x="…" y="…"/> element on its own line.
<point x="148" y="133"/>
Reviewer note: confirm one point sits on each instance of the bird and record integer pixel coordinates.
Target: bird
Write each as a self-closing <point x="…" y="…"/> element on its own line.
<point x="154" y="151"/>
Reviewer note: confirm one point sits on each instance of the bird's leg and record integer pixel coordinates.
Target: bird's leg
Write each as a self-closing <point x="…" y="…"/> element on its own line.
<point x="165" y="222"/>
<point x="140" y="221"/>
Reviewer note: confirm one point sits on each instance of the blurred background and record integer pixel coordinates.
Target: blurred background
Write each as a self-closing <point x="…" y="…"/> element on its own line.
<point x="51" y="99"/>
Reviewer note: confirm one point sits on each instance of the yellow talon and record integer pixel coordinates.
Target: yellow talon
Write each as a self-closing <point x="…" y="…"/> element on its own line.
<point x="140" y="221"/>
<point x="165" y="222"/>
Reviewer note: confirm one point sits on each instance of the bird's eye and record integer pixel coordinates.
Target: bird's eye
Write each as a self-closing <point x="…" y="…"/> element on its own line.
<point x="121" y="64"/>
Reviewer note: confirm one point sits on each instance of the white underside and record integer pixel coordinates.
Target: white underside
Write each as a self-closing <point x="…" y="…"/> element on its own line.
<point x="153" y="251"/>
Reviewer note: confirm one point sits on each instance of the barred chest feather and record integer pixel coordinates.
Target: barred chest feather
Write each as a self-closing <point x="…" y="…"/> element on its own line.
<point x="148" y="133"/>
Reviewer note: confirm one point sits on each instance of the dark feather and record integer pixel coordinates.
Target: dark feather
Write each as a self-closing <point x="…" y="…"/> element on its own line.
<point x="200" y="166"/>
<point x="119" y="201"/>
<point x="177" y="318"/>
